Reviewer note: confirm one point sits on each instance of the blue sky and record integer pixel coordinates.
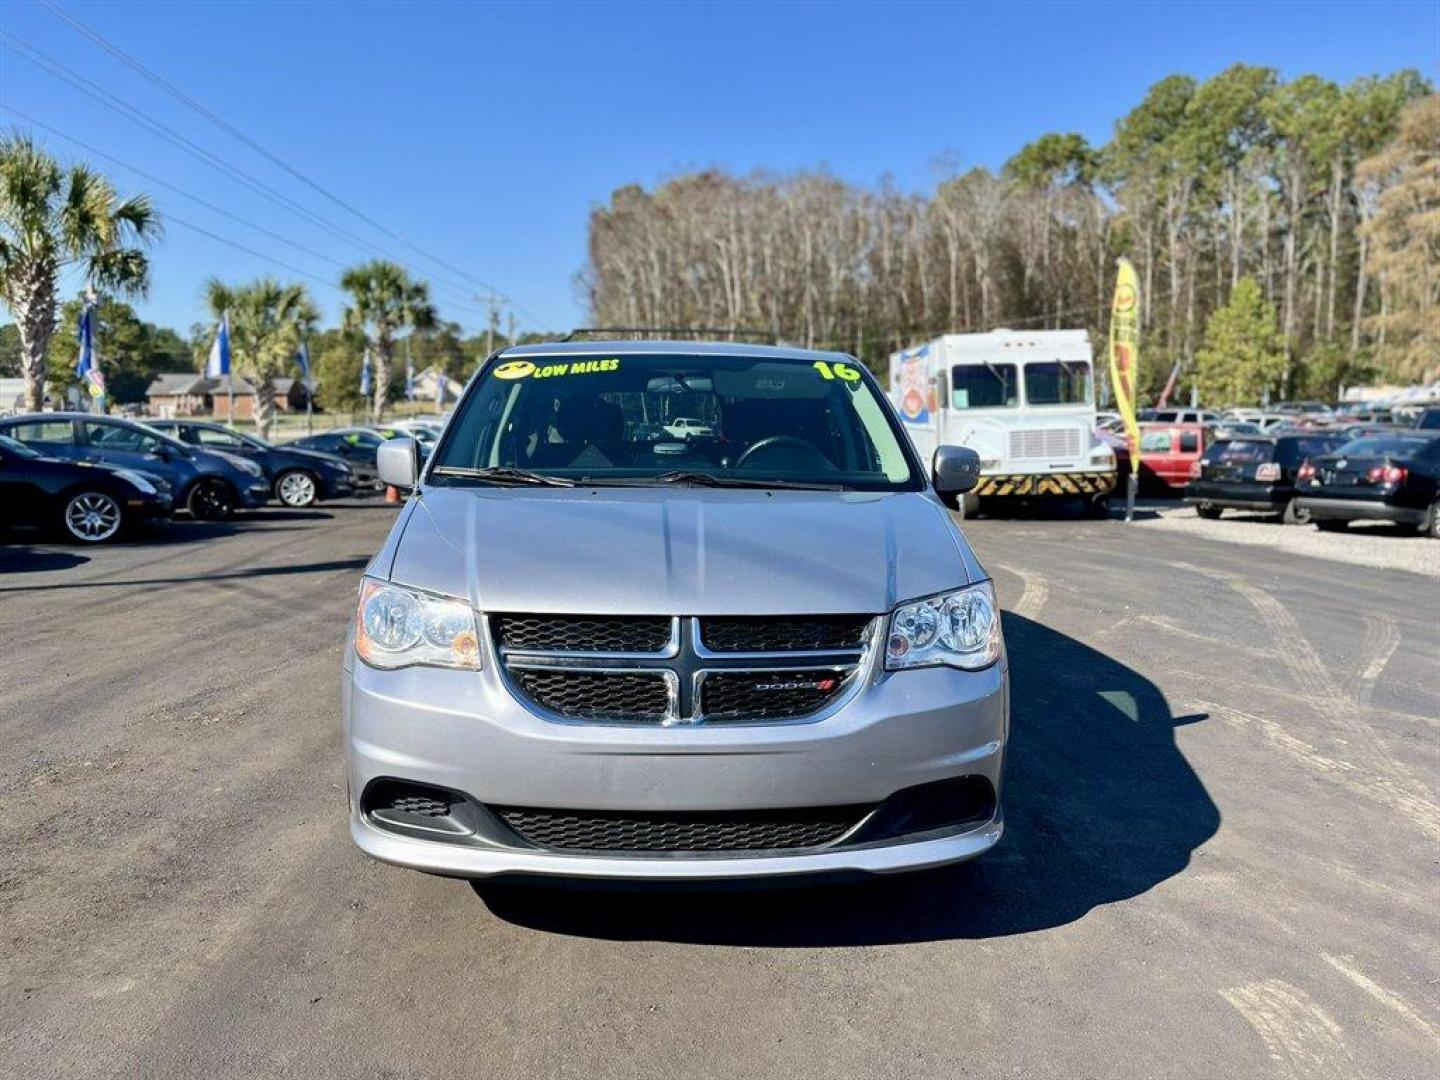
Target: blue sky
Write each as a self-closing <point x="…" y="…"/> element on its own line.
<point x="484" y="134"/>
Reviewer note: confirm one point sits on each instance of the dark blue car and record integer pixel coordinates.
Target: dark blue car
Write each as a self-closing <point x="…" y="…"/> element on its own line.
<point x="87" y="502"/>
<point x="212" y="485"/>
<point x="298" y="478"/>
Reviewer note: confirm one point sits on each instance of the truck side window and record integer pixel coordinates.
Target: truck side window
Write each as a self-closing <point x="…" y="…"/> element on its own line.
<point x="1189" y="442"/>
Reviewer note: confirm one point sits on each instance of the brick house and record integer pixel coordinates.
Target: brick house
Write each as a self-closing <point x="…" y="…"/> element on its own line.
<point x="187" y="394"/>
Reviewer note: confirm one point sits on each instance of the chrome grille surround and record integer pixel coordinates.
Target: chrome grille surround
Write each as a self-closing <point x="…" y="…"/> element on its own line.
<point x="685" y="663"/>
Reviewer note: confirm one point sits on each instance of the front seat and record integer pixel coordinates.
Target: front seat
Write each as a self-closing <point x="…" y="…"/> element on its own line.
<point x="591" y="433"/>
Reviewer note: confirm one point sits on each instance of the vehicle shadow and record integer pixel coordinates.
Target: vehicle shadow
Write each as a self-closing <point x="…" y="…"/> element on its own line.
<point x="24" y="559"/>
<point x="1100" y="805"/>
<point x="357" y="562"/>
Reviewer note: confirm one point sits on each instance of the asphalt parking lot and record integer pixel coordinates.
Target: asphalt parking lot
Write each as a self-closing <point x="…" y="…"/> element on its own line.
<point x="1221" y="858"/>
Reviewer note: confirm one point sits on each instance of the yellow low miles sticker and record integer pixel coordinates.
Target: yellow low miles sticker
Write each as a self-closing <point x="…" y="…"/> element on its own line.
<point x="525" y="369"/>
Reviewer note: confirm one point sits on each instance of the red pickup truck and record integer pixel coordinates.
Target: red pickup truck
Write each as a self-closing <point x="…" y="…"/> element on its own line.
<point x="1169" y="452"/>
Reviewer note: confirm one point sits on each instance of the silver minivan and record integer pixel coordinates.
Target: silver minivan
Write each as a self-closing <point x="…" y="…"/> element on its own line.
<point x="590" y="648"/>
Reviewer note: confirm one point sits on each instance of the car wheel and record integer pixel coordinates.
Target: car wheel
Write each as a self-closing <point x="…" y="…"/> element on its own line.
<point x="1332" y="525"/>
<point x="1209" y="513"/>
<point x="1431" y="525"/>
<point x="296" y="489"/>
<point x="92" y="517"/>
<point x="211" y="500"/>
<point x="1295" y="515"/>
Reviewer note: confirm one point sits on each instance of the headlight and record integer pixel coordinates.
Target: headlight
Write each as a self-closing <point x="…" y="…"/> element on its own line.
<point x="1103" y="453"/>
<point x="397" y="627"/>
<point x="137" y="481"/>
<point x="961" y="629"/>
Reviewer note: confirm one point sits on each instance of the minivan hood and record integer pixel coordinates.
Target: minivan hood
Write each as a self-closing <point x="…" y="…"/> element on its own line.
<point x="680" y="551"/>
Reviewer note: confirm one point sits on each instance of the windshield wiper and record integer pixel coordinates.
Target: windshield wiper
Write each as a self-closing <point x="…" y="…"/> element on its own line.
<point x="503" y="474"/>
<point x="704" y="479"/>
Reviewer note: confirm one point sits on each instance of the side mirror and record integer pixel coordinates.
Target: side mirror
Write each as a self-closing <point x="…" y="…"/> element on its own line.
<point x="398" y="461"/>
<point x="956" y="470"/>
<point x="161" y="453"/>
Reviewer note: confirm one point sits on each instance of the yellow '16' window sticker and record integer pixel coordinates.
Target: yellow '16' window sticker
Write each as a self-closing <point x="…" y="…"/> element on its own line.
<point x="525" y="369"/>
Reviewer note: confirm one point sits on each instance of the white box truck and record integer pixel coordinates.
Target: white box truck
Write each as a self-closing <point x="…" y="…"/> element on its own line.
<point x="1023" y="400"/>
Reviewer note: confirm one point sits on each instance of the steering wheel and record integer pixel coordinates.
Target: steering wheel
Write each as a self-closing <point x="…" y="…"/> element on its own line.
<point x="777" y="440"/>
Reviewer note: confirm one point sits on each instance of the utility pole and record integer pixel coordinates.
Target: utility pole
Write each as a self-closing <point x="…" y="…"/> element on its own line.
<point x="492" y="300"/>
<point x="510" y="326"/>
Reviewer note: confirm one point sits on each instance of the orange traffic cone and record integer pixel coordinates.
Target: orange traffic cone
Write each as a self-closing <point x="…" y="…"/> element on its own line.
<point x="392" y="493"/>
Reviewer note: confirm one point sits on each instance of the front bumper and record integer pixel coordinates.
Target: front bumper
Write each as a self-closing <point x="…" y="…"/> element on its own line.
<point x="335" y="487"/>
<point x="1325" y="509"/>
<point x="464" y="731"/>
<point x="1089" y="482"/>
<point x="151" y="508"/>
<point x="254" y="494"/>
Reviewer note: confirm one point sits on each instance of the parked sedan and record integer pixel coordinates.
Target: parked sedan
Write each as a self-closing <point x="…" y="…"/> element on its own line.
<point x="298" y="478"/>
<point x="86" y="502"/>
<point x="210" y="484"/>
<point x="1254" y="474"/>
<point x="1380" y="478"/>
<point x="356" y="446"/>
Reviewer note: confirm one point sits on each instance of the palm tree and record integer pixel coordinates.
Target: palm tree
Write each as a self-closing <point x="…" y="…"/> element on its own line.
<point x="52" y="217"/>
<point x="384" y="302"/>
<point x="268" y="321"/>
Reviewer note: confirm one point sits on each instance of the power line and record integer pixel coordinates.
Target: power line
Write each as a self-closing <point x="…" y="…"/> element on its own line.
<point x="194" y="198"/>
<point x="180" y="95"/>
<point x="251" y="251"/>
<point x="138" y="116"/>
<point x="171" y="187"/>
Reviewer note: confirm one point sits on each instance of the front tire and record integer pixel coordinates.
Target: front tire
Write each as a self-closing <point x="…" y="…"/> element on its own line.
<point x="1431" y="525"/>
<point x="211" y="500"/>
<point x="296" y="489"/>
<point x="1295" y="515"/>
<point x="92" y="517"/>
<point x="1332" y="525"/>
<point x="1209" y="513"/>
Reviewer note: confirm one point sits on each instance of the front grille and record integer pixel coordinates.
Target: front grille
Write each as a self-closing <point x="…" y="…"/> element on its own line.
<point x="721" y="830"/>
<point x="668" y="670"/>
<point x="772" y="634"/>
<point x="1045" y="443"/>
<point x="582" y="633"/>
<point x="767" y="695"/>
<point x="640" y="696"/>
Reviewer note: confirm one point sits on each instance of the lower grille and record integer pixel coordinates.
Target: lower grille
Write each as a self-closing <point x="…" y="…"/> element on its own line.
<point x="641" y="696"/>
<point x="721" y="830"/>
<point x="767" y="695"/>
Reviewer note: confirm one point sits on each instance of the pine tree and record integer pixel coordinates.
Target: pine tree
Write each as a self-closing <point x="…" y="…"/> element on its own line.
<point x="1243" y="354"/>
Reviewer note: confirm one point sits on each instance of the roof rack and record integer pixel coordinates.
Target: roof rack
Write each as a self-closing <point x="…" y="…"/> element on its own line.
<point x="673" y="331"/>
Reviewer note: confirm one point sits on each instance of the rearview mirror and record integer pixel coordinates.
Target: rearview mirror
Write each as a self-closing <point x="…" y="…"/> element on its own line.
<point x="398" y="462"/>
<point x="956" y="469"/>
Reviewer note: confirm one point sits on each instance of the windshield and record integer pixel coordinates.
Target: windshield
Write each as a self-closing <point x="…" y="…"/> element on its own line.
<point x="1381" y="446"/>
<point x="1245" y="452"/>
<point x="983" y="386"/>
<point x="19" y="449"/>
<point x="1061" y="382"/>
<point x="629" y="418"/>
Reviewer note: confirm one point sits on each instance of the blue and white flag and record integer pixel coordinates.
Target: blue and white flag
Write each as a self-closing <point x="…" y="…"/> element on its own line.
<point x="219" y="362"/>
<point x="302" y="360"/>
<point x="440" y="389"/>
<point x="87" y="365"/>
<point x="409" y="379"/>
<point x="365" y="375"/>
